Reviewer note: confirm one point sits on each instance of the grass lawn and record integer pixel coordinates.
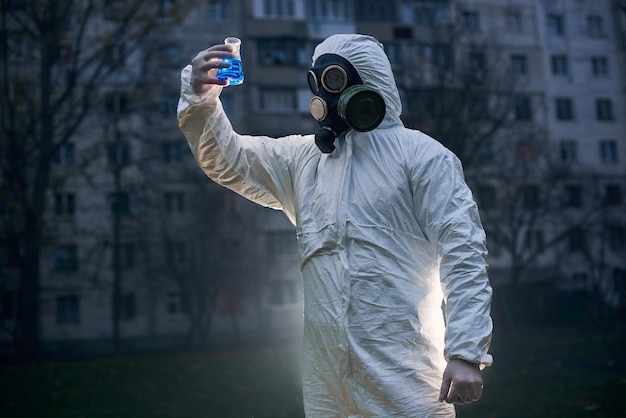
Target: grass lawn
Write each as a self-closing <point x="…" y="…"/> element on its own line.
<point x="551" y="373"/>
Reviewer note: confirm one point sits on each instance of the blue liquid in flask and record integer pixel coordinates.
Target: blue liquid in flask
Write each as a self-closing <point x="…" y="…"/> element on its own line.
<point x="232" y="74"/>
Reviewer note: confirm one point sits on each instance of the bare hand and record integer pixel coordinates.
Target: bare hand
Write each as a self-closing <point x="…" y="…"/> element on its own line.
<point x="204" y="67"/>
<point x="462" y="382"/>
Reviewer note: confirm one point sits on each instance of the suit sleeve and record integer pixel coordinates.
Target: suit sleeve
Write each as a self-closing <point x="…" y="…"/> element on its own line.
<point x="256" y="167"/>
<point x="452" y="224"/>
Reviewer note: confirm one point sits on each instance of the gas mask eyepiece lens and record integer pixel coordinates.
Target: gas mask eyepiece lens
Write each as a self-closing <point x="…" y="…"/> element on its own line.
<point x="311" y="78"/>
<point x="334" y="79"/>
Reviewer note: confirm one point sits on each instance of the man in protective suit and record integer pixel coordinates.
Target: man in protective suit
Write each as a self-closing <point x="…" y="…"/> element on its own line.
<point x="387" y="230"/>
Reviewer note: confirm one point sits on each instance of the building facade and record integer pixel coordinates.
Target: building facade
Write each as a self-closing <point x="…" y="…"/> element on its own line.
<point x="192" y="259"/>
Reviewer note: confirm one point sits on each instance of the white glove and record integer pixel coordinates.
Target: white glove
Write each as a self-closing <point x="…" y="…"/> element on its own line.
<point x="462" y="382"/>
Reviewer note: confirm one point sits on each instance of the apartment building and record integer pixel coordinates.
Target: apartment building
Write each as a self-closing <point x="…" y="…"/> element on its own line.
<point x="565" y="57"/>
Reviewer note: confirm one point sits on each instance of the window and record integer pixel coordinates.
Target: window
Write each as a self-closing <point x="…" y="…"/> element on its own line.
<point x="479" y="108"/>
<point x="519" y="64"/>
<point x="579" y="277"/>
<point x="569" y="150"/>
<point x="116" y="102"/>
<point x="282" y="51"/>
<point x="278" y="100"/>
<point x="471" y="21"/>
<point x="174" y="202"/>
<point x="282" y="244"/>
<point x="441" y="14"/>
<point x="219" y="11"/>
<point x="617" y="238"/>
<point x="172" y="152"/>
<point x="9" y="257"/>
<point x="619" y="278"/>
<point x="514" y="21"/>
<point x="530" y="196"/>
<point x="534" y="239"/>
<point x="279" y="9"/>
<point x="177" y="305"/>
<point x="604" y="109"/>
<point x="527" y="150"/>
<point x="64" y="204"/>
<point x="595" y="27"/>
<point x="608" y="151"/>
<point x="114" y="9"/>
<point x="331" y="10"/>
<point x="555" y="24"/>
<point x="115" y="55"/>
<point x="283" y="293"/>
<point x="165" y="8"/>
<point x="229" y="248"/>
<point x="564" y="108"/>
<point x="572" y="196"/>
<point x="127" y="255"/>
<point x="599" y="66"/>
<point x="169" y="56"/>
<point x="430" y="55"/>
<point x="476" y="63"/>
<point x="127" y="307"/>
<point x="576" y="239"/>
<point x="402" y="32"/>
<point x="65" y="154"/>
<point x="9" y="302"/>
<point x="560" y="65"/>
<point x="394" y="53"/>
<point x="426" y="13"/>
<point x="522" y="108"/>
<point x="119" y="203"/>
<point x="119" y="153"/>
<point x="168" y="102"/>
<point x="68" y="309"/>
<point x="487" y="197"/>
<point x="613" y="194"/>
<point x="484" y="151"/>
<point x="16" y="43"/>
<point x="66" y="258"/>
<point x="175" y="253"/>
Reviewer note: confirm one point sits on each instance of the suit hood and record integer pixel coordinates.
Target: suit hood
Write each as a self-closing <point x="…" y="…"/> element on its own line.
<point x="367" y="55"/>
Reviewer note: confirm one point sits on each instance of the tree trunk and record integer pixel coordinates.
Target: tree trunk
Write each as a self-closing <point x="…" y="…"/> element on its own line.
<point x="28" y="310"/>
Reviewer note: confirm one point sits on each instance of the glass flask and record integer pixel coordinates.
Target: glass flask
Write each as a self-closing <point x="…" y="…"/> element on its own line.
<point x="234" y="73"/>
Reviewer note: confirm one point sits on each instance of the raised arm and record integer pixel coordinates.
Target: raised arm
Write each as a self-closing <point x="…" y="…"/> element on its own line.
<point x="259" y="168"/>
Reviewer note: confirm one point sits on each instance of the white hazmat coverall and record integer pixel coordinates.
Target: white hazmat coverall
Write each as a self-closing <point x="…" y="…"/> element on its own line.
<point x="387" y="230"/>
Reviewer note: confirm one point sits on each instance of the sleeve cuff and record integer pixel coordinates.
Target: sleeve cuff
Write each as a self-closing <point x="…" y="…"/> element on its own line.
<point x="189" y="97"/>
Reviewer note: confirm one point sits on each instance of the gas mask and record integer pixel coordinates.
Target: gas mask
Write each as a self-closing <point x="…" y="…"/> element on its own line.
<point x="341" y="101"/>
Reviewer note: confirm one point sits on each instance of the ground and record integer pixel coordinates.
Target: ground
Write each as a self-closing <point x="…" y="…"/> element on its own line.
<point x="552" y="372"/>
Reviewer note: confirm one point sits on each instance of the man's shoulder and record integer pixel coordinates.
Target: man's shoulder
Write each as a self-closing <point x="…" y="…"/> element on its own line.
<point x="421" y="144"/>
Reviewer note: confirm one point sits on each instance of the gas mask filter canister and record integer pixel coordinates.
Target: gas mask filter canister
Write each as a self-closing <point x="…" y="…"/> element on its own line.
<point x="341" y="100"/>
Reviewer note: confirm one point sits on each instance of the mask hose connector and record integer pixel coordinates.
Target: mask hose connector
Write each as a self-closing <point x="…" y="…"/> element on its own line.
<point x="324" y="139"/>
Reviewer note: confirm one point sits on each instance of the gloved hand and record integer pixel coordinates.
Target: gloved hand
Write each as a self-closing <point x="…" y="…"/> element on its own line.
<point x="462" y="382"/>
<point x="204" y="67"/>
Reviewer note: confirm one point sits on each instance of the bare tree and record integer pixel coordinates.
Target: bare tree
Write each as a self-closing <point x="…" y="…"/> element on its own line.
<point x="224" y="266"/>
<point x="464" y="93"/>
<point x="461" y="92"/>
<point x="55" y="55"/>
<point x="595" y="249"/>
